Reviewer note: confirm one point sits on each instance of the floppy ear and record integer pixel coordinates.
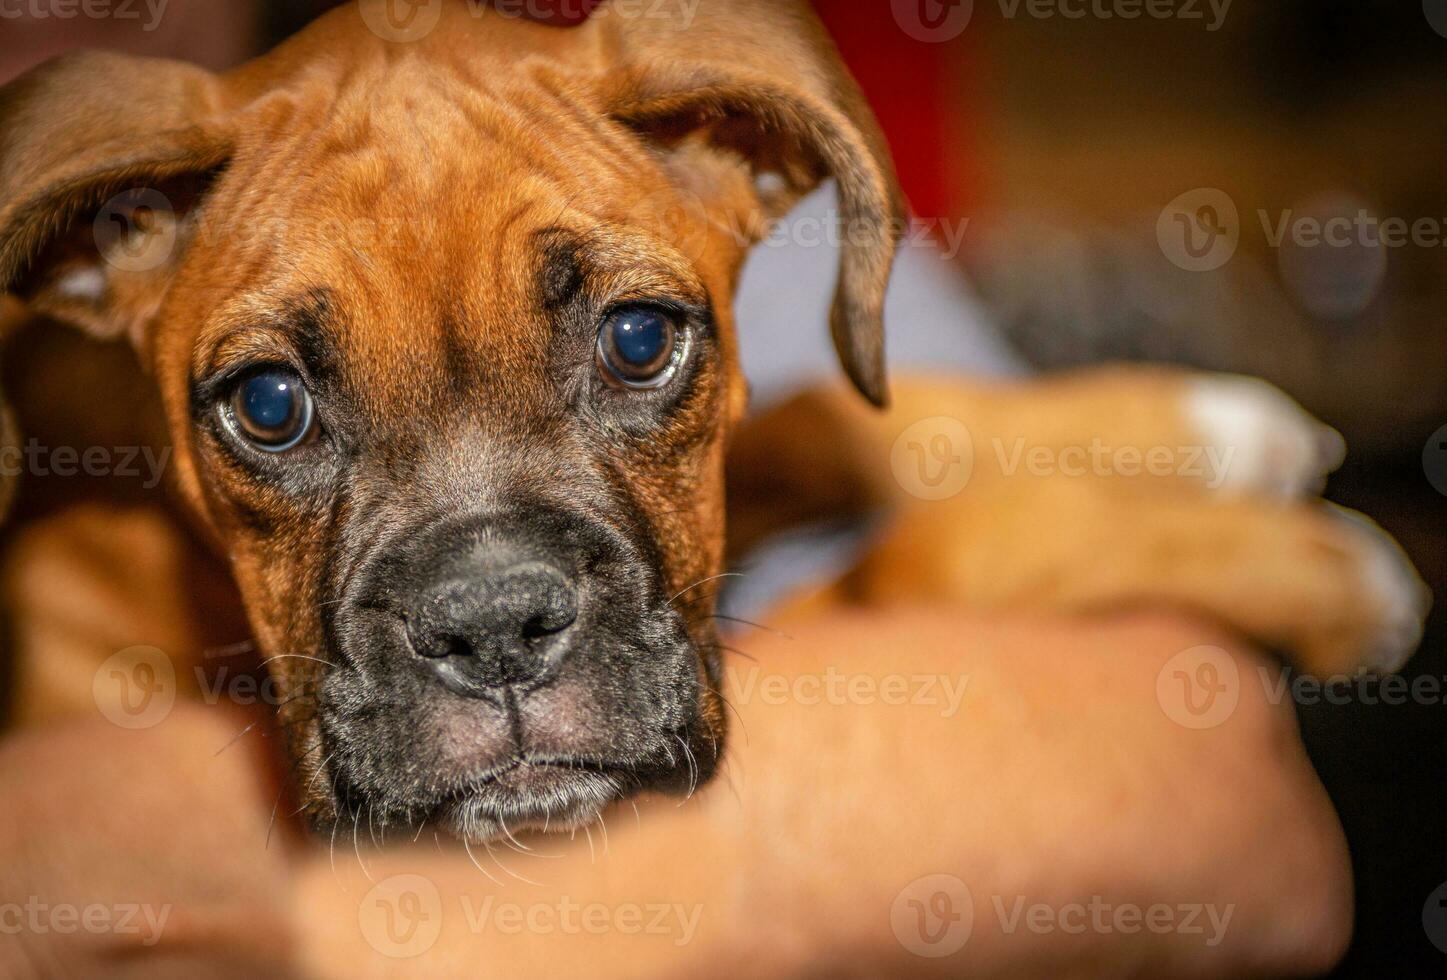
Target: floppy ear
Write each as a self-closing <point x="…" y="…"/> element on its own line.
<point x="762" y="79"/>
<point x="102" y="158"/>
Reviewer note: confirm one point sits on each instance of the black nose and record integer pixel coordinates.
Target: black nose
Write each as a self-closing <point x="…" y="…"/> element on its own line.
<point x="491" y="630"/>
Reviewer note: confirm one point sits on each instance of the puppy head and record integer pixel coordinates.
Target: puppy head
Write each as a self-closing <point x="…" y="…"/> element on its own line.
<point x="443" y="333"/>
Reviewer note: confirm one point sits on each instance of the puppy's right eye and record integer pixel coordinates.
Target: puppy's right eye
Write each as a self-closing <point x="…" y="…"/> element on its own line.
<point x="637" y="346"/>
<point x="272" y="410"/>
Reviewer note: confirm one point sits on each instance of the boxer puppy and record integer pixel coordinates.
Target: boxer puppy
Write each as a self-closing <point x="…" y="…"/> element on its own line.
<point x="439" y="320"/>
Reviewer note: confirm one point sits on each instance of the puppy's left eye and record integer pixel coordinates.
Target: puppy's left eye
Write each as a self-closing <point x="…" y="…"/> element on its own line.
<point x="273" y="410"/>
<point x="637" y="346"/>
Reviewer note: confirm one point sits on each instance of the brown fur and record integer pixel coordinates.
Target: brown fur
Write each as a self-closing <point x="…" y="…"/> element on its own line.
<point x="410" y="196"/>
<point x="1287" y="572"/>
<point x="409" y="200"/>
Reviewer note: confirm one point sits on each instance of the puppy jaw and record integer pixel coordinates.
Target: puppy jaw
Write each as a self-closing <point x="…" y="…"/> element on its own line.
<point x="629" y="708"/>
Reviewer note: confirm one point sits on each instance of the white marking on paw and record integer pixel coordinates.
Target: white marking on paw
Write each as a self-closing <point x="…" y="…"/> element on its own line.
<point x="84" y="283"/>
<point x="1265" y="441"/>
<point x="1394" y="589"/>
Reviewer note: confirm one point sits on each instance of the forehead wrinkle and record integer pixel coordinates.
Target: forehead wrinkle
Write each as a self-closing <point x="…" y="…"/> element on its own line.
<point x="623" y="149"/>
<point x="472" y="112"/>
<point x="304" y="157"/>
<point x="552" y="137"/>
<point x="620" y="266"/>
<point x="548" y="111"/>
<point x="246" y="345"/>
<point x="263" y="328"/>
<point x="609" y="262"/>
<point x="561" y="273"/>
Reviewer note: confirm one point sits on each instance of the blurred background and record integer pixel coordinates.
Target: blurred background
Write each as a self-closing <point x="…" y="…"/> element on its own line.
<point x="1241" y="187"/>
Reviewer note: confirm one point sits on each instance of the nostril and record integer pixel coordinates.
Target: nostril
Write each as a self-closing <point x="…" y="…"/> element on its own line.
<point x="451" y="646"/>
<point x="537" y="628"/>
<point x="435" y="644"/>
<point x="495" y="628"/>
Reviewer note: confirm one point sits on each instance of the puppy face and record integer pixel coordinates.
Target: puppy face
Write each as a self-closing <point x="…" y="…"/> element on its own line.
<point x="471" y="466"/>
<point x="450" y="379"/>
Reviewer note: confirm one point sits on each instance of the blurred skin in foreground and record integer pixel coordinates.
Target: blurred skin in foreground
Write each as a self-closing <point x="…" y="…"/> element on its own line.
<point x="1056" y="779"/>
<point x="1059" y="780"/>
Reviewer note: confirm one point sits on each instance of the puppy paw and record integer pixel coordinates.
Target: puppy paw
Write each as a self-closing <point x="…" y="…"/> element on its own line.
<point x="1396" y="598"/>
<point x="1267" y="442"/>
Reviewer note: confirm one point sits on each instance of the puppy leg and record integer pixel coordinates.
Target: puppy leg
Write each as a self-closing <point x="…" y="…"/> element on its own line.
<point x="1326" y="585"/>
<point x="826" y="453"/>
<point x="1111" y="488"/>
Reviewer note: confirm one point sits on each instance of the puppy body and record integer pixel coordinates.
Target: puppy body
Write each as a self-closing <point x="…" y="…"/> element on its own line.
<point x="479" y="575"/>
<point x="1087" y="493"/>
<point x="481" y="582"/>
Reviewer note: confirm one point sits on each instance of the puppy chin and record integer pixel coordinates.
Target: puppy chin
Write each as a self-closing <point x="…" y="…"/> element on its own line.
<point x="530" y="797"/>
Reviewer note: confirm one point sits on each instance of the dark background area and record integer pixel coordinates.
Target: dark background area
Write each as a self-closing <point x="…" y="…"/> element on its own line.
<point x="1088" y="128"/>
<point x="1061" y="141"/>
<point x="1385" y="766"/>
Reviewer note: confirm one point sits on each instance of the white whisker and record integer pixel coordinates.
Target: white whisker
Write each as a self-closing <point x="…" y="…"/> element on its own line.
<point x="468" y="848"/>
